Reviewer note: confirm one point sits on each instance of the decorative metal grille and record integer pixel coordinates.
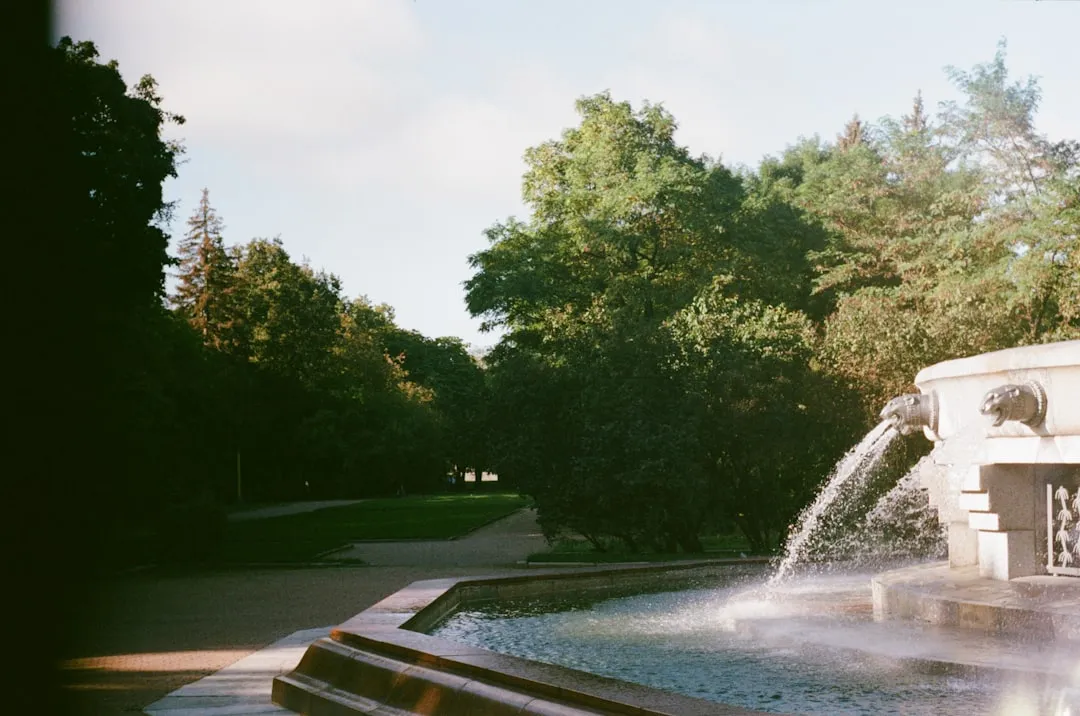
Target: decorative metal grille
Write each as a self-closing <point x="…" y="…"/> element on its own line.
<point x="1062" y="531"/>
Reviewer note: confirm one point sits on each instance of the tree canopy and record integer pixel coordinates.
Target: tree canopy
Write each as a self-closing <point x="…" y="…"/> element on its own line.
<point x="256" y="379"/>
<point x="686" y="346"/>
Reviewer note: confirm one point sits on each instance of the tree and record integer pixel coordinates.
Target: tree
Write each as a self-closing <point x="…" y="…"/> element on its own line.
<point x="207" y="292"/>
<point x="95" y="269"/>
<point x="119" y="163"/>
<point x="953" y="238"/>
<point x="854" y="134"/>
<point x="459" y="394"/>
<point x="597" y="413"/>
<point x="770" y="425"/>
<point x="292" y="313"/>
<point x="995" y="127"/>
<point x="110" y="196"/>
<point x="617" y="207"/>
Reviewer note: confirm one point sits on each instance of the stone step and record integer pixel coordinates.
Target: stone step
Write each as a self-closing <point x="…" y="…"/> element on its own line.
<point x="974" y="501"/>
<point x="336" y="680"/>
<point x="973" y="479"/>
<point x="985" y="521"/>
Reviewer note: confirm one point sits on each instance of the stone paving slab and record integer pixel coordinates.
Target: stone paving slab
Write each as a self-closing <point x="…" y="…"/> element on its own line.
<point x="242" y="688"/>
<point x="1044" y="608"/>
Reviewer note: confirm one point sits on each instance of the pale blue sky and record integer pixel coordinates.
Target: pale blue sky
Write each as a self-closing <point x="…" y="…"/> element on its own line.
<point x="380" y="138"/>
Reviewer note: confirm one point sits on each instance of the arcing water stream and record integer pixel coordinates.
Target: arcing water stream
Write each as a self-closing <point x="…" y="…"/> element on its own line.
<point x="901" y="524"/>
<point x="854" y="468"/>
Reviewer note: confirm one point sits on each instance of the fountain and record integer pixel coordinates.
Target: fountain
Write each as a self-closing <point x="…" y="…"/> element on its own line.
<point x="1006" y="428"/>
<point x="994" y="629"/>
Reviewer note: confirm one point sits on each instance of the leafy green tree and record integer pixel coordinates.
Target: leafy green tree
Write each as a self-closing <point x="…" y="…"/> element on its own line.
<point x="119" y="162"/>
<point x="770" y="425"/>
<point x="949" y="237"/>
<point x="459" y="394"/>
<point x="602" y="409"/>
<point x="292" y="313"/>
<point x="995" y="126"/>
<point x="618" y="207"/>
<point x="110" y="197"/>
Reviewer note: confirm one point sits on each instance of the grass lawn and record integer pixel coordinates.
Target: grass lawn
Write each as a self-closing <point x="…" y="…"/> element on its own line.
<point x="579" y="550"/>
<point x="299" y="538"/>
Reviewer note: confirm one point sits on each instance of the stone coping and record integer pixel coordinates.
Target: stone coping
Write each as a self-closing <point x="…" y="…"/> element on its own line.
<point x="380" y="661"/>
<point x="1031" y="609"/>
<point x="1005" y="450"/>
<point x="1048" y="355"/>
<point x="962" y="384"/>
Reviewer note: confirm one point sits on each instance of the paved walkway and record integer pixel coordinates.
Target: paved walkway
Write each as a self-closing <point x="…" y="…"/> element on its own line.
<point x="243" y="688"/>
<point x="288" y="508"/>
<point x="501" y="543"/>
<point x="144" y="636"/>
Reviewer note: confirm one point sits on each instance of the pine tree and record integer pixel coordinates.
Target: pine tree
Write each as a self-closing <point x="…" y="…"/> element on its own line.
<point x="853" y="135"/>
<point x="917" y="122"/>
<point x="207" y="293"/>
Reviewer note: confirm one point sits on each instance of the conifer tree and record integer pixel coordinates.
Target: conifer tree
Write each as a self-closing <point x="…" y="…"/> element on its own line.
<point x="853" y="135"/>
<point x="207" y="292"/>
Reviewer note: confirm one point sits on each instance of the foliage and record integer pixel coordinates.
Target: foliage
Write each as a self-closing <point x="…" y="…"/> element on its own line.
<point x="263" y="383"/>
<point x="948" y="237"/>
<point x="208" y="287"/>
<point x="120" y="162"/>
<point x="116" y="413"/>
<point x="650" y="300"/>
<point x="687" y="349"/>
<point x="566" y="550"/>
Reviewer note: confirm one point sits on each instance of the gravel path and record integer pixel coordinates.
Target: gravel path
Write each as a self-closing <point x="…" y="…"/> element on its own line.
<point x="501" y="543"/>
<point x="142" y="636"/>
<point x="289" y="508"/>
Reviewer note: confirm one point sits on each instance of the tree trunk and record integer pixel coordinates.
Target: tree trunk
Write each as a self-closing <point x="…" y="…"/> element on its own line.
<point x="594" y="541"/>
<point x="690" y="542"/>
<point x="750" y="528"/>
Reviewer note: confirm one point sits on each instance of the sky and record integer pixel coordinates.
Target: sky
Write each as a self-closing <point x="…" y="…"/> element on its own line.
<point x="379" y="138"/>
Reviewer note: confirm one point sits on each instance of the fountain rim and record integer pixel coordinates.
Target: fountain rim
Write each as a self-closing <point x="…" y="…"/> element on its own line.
<point x="386" y="655"/>
<point x="391" y="643"/>
<point x="1034" y="357"/>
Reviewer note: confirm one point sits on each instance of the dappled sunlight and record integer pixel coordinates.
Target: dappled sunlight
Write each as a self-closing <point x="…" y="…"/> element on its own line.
<point x="103" y="686"/>
<point x="428" y="703"/>
<point x="204" y="660"/>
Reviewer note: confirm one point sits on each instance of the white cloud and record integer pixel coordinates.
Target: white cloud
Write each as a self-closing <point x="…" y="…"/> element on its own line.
<point x="267" y="71"/>
<point x="458" y="146"/>
<point x="334" y="93"/>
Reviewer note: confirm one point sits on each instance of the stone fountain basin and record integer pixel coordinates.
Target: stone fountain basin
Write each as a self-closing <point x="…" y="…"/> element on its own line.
<point x="382" y="661"/>
<point x="966" y="436"/>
